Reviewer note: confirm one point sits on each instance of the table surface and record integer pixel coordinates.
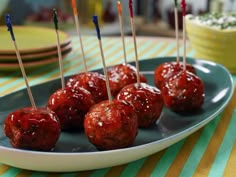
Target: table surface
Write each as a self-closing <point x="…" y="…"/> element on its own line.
<point x="211" y="151"/>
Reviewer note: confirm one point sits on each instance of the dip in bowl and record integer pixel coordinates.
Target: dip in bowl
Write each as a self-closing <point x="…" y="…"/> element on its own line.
<point x="213" y="36"/>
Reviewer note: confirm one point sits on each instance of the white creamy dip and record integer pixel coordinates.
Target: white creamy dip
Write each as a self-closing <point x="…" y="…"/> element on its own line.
<point x="216" y="20"/>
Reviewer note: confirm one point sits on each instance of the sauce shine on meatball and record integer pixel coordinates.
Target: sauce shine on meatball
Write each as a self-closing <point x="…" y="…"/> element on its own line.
<point x="147" y="101"/>
<point x="122" y="75"/>
<point x="111" y="125"/>
<point x="183" y="92"/>
<point x="32" y="129"/>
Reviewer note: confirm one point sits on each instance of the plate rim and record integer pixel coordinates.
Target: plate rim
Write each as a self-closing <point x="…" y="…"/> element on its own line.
<point x="38" y="49"/>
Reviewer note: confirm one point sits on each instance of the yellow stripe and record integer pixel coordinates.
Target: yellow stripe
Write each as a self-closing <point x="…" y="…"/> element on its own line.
<point x="182" y="157"/>
<point x="174" y="50"/>
<point x="215" y="142"/>
<point x="171" y="52"/>
<point x="150" y="164"/>
<point x="149" y="48"/>
<point x="158" y="51"/>
<point x="115" y="171"/>
<point x="119" y="59"/>
<point x="99" y="61"/>
<point x="4" y="168"/>
<point x="231" y="164"/>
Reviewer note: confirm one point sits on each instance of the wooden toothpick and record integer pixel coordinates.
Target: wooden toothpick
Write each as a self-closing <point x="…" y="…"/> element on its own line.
<point x="119" y="7"/>
<point x="176" y="30"/>
<point x="183" y="4"/>
<point x="74" y="6"/>
<point x="134" y="38"/>
<point x="10" y="29"/>
<point x="95" y="21"/>
<point x="59" y="49"/>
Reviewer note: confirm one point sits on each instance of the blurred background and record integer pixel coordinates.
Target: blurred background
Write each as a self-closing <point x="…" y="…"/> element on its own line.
<point x="153" y="17"/>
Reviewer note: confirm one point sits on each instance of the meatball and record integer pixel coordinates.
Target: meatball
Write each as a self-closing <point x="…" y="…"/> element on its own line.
<point x="122" y="75"/>
<point x="32" y="129"/>
<point x="111" y="125"/>
<point x="147" y="101"/>
<point x="94" y="82"/>
<point x="183" y="92"/>
<point x="70" y="105"/>
<point x="164" y="71"/>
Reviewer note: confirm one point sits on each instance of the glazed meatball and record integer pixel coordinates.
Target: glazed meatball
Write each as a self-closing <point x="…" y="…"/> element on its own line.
<point x="183" y="92"/>
<point x="94" y="82"/>
<point x="122" y="75"/>
<point x="111" y="125"/>
<point x="70" y="106"/>
<point x="147" y="101"/>
<point x="32" y="129"/>
<point x="166" y="70"/>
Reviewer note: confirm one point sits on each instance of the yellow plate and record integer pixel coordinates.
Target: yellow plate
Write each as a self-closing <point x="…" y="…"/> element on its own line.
<point x="31" y="39"/>
<point x="34" y="56"/>
<point x="31" y="64"/>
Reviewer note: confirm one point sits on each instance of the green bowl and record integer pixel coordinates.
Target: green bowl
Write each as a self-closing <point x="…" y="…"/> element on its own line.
<point x="213" y="43"/>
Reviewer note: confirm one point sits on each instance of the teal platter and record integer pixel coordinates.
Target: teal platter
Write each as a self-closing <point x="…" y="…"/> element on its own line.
<point x="73" y="151"/>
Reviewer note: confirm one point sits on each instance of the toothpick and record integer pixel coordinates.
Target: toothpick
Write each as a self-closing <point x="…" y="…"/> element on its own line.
<point x="176" y="30"/>
<point x="95" y="21"/>
<point x="134" y="38"/>
<point x="59" y="48"/>
<point x="74" y="6"/>
<point x="119" y="7"/>
<point x="10" y="29"/>
<point x="184" y="33"/>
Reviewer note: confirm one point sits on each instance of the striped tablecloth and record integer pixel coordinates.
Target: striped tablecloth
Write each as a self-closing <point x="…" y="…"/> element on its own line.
<point x="211" y="151"/>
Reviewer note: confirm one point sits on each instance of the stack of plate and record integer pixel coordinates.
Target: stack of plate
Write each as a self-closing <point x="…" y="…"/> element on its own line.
<point x="37" y="46"/>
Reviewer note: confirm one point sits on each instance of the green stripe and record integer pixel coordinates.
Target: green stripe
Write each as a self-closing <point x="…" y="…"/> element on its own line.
<point x="140" y="50"/>
<point x="35" y="80"/>
<point x="131" y="55"/>
<point x="99" y="172"/>
<point x="152" y="50"/>
<point x="144" y="47"/>
<point x="167" y="159"/>
<point x="199" y="148"/>
<point x="191" y="53"/>
<point x="166" y="50"/>
<point x="120" y="54"/>
<point x="224" y="151"/>
<point x="180" y="52"/>
<point x="11" y="172"/>
<point x="133" y="168"/>
<point x="188" y="54"/>
<point x="111" y="60"/>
